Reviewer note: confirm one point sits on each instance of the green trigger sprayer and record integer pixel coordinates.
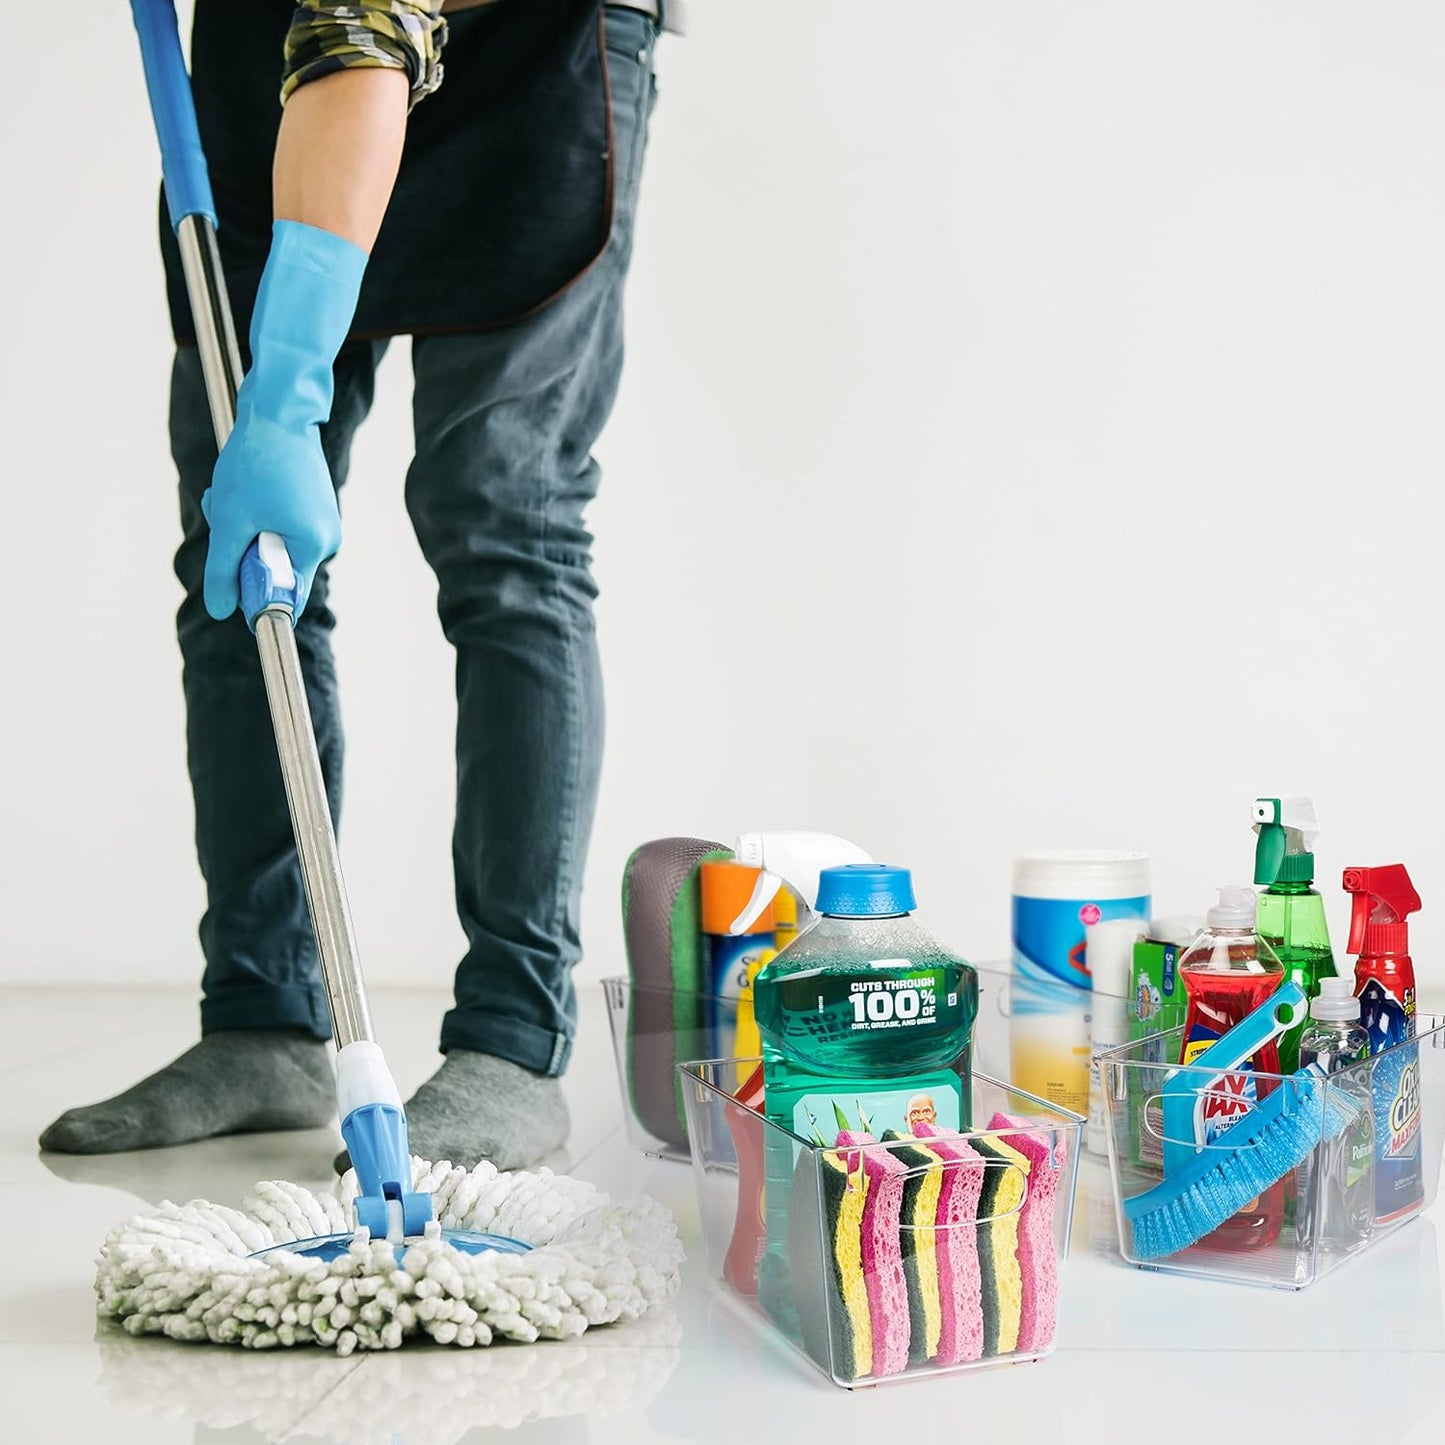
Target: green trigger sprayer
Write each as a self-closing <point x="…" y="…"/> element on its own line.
<point x="1291" y="912"/>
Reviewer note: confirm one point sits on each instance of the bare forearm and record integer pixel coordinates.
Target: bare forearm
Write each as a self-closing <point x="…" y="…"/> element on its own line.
<point x="339" y="150"/>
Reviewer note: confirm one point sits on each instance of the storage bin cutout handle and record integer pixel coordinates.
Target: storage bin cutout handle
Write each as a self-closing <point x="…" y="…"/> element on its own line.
<point x="977" y="1220"/>
<point x="1228" y="1100"/>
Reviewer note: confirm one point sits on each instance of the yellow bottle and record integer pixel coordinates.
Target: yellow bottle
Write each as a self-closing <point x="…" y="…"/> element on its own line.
<point x="748" y="1041"/>
<point x="785" y="917"/>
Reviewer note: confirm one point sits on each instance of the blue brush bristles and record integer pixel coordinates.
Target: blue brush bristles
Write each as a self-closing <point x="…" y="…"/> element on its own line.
<point x="1275" y="1137"/>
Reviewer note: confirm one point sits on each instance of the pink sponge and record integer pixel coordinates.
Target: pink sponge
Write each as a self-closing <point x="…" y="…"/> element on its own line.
<point x="1038" y="1261"/>
<point x="882" y="1256"/>
<point x="960" y="1281"/>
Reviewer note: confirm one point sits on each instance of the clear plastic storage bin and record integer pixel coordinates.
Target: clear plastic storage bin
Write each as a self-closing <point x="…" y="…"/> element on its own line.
<point x="1377" y="1171"/>
<point x="653" y="1030"/>
<point x="903" y="1259"/>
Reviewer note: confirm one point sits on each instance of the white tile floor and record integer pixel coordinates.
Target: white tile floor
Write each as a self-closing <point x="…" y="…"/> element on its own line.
<point x="1139" y="1355"/>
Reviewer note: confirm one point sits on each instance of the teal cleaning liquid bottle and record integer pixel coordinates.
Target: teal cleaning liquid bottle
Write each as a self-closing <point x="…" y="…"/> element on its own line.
<point x="1291" y="912"/>
<point x="865" y="1012"/>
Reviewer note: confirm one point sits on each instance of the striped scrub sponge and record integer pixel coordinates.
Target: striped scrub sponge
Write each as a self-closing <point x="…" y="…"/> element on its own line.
<point x="882" y="1254"/>
<point x="1005" y="1186"/>
<point x="1038" y="1259"/>
<point x="918" y="1242"/>
<point x="831" y="1292"/>
<point x="960" y="1285"/>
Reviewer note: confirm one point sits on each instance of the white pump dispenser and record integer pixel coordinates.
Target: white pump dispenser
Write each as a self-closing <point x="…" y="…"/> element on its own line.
<point x="793" y="858"/>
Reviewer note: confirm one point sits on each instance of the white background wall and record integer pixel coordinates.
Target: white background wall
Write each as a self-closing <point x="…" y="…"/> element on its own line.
<point x="1032" y="437"/>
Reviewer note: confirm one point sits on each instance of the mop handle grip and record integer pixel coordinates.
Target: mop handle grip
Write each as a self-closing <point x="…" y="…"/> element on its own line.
<point x="183" y="162"/>
<point x="268" y="579"/>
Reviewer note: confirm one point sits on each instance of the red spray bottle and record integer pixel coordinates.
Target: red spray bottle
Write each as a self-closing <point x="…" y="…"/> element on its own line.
<point x="1385" y="985"/>
<point x="1385" y="975"/>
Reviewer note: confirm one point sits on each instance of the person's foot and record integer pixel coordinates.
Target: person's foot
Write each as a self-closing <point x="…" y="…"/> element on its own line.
<point x="238" y="1082"/>
<point x="479" y="1107"/>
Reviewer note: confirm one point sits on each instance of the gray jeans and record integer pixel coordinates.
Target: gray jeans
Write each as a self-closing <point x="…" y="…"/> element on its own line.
<point x="504" y="424"/>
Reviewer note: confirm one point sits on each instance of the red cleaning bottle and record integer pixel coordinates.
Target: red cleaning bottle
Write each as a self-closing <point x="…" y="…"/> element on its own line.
<point x="1228" y="971"/>
<point x="750" y="1231"/>
<point x="1385" y="985"/>
<point x="1383" y="898"/>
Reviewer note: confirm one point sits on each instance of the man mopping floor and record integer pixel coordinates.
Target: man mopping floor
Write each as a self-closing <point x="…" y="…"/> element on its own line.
<point x="493" y="225"/>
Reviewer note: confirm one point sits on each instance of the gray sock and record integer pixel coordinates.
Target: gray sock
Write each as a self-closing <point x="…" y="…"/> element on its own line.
<point x="479" y="1107"/>
<point x="239" y="1082"/>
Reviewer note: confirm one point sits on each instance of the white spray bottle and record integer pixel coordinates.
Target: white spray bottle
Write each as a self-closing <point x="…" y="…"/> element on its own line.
<point x="795" y="858"/>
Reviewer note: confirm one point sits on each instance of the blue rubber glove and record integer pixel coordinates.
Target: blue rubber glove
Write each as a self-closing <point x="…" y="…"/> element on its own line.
<point x="271" y="475"/>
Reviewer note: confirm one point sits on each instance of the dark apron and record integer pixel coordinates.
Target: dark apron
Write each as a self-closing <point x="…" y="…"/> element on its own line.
<point x="505" y="191"/>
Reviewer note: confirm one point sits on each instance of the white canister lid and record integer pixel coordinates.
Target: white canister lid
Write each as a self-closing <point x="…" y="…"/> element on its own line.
<point x="1177" y="929"/>
<point x="1109" y="952"/>
<point x="1090" y="875"/>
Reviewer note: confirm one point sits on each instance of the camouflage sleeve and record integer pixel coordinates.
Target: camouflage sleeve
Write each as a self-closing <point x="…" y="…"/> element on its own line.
<point x="389" y="34"/>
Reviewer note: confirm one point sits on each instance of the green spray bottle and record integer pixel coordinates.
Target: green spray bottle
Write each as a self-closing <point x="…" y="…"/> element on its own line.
<point x="1291" y="912"/>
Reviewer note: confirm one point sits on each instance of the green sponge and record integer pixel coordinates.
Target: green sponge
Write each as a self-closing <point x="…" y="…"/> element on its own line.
<point x="662" y="929"/>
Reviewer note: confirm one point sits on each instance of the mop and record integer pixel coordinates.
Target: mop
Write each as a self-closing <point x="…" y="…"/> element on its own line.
<point x="405" y="1247"/>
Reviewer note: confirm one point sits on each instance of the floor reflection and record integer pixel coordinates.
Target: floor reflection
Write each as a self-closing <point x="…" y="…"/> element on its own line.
<point x="419" y="1395"/>
<point x="221" y="1170"/>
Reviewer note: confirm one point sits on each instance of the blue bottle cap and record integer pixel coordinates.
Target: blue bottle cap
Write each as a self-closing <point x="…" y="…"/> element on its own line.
<point x="865" y="890"/>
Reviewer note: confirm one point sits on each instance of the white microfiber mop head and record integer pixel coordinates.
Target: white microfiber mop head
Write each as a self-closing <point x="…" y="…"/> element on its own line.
<point x="187" y="1270"/>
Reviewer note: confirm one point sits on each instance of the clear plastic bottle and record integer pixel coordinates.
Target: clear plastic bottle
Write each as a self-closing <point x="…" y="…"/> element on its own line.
<point x="1228" y="972"/>
<point x="1334" y="1038"/>
<point x="1335" y="1204"/>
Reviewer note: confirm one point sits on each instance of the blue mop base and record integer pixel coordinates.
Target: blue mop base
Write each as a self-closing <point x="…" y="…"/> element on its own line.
<point x="327" y="1247"/>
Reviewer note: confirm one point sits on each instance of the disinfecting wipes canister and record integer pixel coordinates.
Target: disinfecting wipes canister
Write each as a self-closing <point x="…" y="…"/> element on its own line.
<point x="1056" y="896"/>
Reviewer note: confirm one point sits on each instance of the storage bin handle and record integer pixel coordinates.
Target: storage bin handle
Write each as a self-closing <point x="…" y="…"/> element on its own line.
<point x="977" y="1220"/>
<point x="1154" y="1103"/>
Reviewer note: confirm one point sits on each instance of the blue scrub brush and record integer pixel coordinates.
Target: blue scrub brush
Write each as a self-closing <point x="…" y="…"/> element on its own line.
<point x="1188" y="1089"/>
<point x="1276" y="1136"/>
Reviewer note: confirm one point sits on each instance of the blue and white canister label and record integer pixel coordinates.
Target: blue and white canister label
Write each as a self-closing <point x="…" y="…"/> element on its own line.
<point x="1048" y="934"/>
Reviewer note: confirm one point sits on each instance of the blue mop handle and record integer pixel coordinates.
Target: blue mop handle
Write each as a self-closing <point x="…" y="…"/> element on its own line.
<point x="373" y="1123"/>
<point x="267" y="577"/>
<point x="183" y="162"/>
<point x="268" y="580"/>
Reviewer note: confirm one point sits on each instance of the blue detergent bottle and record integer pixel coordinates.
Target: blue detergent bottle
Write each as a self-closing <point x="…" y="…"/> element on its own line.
<point x="864" y="1013"/>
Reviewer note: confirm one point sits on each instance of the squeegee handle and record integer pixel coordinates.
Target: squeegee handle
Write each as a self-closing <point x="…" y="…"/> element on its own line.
<point x="183" y="162"/>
